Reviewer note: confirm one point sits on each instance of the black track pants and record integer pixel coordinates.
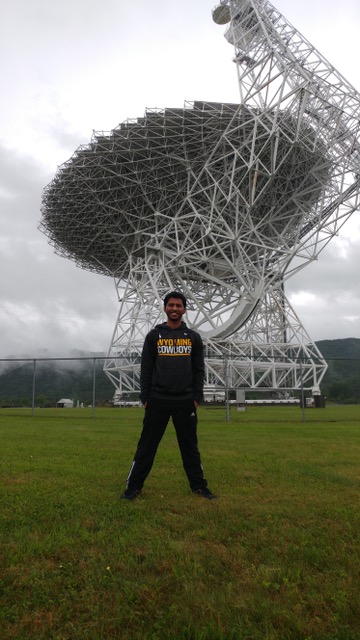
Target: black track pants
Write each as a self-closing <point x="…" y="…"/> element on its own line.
<point x="157" y="415"/>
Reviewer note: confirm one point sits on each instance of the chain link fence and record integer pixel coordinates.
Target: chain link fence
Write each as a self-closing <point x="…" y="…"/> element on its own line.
<point x="80" y="382"/>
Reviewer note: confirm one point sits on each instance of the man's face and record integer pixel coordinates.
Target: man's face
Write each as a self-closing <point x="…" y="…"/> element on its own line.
<point x="174" y="309"/>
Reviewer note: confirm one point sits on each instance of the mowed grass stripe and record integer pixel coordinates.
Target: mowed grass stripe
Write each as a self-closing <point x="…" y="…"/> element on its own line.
<point x="275" y="557"/>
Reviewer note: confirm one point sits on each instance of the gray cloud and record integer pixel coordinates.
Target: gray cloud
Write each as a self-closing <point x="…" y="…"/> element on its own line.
<point x="46" y="301"/>
<point x="326" y="293"/>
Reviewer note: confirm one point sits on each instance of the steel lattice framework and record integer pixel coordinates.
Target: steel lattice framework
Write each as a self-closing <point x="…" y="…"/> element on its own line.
<point x="221" y="201"/>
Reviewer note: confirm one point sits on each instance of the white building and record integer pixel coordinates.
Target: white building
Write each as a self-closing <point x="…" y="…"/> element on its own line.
<point x="65" y="403"/>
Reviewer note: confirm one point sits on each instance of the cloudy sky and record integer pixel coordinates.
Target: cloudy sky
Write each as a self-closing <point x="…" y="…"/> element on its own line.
<point x="75" y="66"/>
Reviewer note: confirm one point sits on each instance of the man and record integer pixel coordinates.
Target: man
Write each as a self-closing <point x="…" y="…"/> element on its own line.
<point x="171" y="381"/>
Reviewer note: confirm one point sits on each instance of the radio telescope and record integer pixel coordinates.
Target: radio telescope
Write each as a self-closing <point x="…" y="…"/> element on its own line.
<point x="222" y="201"/>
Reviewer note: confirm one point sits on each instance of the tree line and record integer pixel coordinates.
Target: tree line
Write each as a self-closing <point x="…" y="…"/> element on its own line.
<point x="74" y="379"/>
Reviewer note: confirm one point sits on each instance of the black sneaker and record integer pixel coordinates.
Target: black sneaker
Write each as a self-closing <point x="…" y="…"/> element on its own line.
<point x="130" y="494"/>
<point x="205" y="493"/>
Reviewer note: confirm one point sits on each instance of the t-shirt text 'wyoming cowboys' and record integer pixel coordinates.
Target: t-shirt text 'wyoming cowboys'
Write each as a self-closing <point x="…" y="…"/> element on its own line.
<point x="174" y="346"/>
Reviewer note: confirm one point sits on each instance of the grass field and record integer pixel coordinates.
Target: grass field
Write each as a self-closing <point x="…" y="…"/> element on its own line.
<point x="276" y="557"/>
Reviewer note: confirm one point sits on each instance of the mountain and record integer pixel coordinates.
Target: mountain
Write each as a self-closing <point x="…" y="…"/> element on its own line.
<point x="73" y="377"/>
<point x="342" y="379"/>
<point x="54" y="379"/>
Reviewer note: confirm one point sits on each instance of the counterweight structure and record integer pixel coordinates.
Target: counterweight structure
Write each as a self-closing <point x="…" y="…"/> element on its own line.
<point x="221" y="201"/>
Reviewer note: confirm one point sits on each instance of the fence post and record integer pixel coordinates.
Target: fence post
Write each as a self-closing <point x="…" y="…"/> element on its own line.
<point x="226" y="380"/>
<point x="302" y="394"/>
<point x="94" y="388"/>
<point x="33" y="390"/>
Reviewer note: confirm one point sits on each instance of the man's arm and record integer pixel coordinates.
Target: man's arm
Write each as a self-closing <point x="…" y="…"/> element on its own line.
<point x="148" y="358"/>
<point x="198" y="368"/>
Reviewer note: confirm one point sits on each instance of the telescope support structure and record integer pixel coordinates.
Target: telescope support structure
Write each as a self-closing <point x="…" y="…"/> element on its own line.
<point x="223" y="202"/>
